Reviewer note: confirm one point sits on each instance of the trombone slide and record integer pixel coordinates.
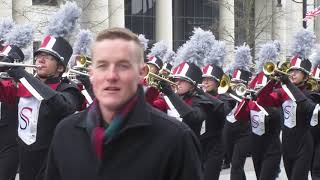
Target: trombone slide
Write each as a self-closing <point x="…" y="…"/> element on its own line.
<point x="19" y="65"/>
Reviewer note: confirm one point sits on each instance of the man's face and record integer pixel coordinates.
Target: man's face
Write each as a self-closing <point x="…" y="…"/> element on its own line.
<point x="48" y="65"/>
<point x="183" y="86"/>
<point x="296" y="76"/>
<point x="115" y="73"/>
<point x="209" y="84"/>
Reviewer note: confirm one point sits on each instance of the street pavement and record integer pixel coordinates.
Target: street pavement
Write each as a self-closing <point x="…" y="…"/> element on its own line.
<point x="249" y="170"/>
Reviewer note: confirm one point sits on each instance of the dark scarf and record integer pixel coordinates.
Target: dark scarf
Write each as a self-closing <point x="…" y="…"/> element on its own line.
<point x="102" y="132"/>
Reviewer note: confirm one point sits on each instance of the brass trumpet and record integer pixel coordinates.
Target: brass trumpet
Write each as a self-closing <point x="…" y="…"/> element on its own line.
<point x="225" y="84"/>
<point x="83" y="62"/>
<point x="154" y="79"/>
<point x="269" y="68"/>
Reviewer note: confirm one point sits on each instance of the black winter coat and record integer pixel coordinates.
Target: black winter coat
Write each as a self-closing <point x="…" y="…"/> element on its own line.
<point x="149" y="145"/>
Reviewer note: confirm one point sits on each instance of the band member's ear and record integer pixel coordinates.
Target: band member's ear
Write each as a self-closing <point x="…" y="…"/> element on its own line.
<point x="60" y="68"/>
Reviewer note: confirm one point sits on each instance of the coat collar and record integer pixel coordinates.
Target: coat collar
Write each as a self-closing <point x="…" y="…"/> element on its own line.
<point x="138" y="117"/>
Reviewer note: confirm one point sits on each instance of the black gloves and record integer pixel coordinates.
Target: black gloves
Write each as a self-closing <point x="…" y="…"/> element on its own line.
<point x="165" y="87"/>
<point x="284" y="79"/>
<point x="6" y="59"/>
<point x="83" y="79"/>
<point x="16" y="72"/>
<point x="200" y="91"/>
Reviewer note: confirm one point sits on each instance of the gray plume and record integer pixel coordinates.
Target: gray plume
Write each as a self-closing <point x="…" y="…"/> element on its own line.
<point x="316" y="56"/>
<point x="28" y="54"/>
<point x="144" y="41"/>
<point x="6" y="25"/>
<point x="278" y="45"/>
<point x="83" y="42"/>
<point x="159" y="49"/>
<point x="169" y="57"/>
<point x="64" y="21"/>
<point x="21" y="35"/>
<point x="243" y="59"/>
<point x="228" y="69"/>
<point x="197" y="48"/>
<point x="268" y="52"/>
<point x="217" y="54"/>
<point x="303" y="43"/>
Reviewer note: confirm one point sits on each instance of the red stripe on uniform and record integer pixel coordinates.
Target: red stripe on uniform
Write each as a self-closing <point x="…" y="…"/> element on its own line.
<point x="234" y="75"/>
<point x="205" y="69"/>
<point x="181" y="68"/>
<point x="45" y="41"/>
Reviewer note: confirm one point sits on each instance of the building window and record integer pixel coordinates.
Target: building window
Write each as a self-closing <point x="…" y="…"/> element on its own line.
<point x="45" y="2"/>
<point x="188" y="14"/>
<point x="140" y="17"/>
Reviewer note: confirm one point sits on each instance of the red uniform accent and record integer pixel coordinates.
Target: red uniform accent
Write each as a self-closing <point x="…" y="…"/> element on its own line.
<point x="45" y="41"/>
<point x="269" y="97"/>
<point x="160" y="104"/>
<point x="9" y="92"/>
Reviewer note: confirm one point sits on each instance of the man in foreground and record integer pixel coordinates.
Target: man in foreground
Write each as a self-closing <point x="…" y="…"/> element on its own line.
<point x="119" y="136"/>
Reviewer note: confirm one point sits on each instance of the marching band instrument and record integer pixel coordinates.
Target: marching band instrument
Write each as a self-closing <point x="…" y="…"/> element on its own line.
<point x="19" y="65"/>
<point x="239" y="88"/>
<point x="269" y="68"/>
<point x="154" y="79"/>
<point x="224" y="84"/>
<point x="312" y="84"/>
<point x="83" y="61"/>
<point x="78" y="72"/>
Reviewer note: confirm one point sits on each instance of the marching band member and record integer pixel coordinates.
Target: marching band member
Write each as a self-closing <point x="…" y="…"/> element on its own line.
<point x="236" y="133"/>
<point x="203" y="113"/>
<point x="40" y="110"/>
<point x="200" y="112"/>
<point x="80" y="62"/>
<point x="154" y="64"/>
<point x="20" y="36"/>
<point x="8" y="137"/>
<point x="211" y="76"/>
<point x="264" y="121"/>
<point x="297" y="105"/>
<point x="42" y="100"/>
<point x="8" y="123"/>
<point x="265" y="131"/>
<point x="315" y="129"/>
<point x="297" y="109"/>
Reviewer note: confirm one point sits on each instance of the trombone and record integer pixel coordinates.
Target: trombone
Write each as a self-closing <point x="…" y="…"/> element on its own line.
<point x="19" y="65"/>
<point x="154" y="79"/>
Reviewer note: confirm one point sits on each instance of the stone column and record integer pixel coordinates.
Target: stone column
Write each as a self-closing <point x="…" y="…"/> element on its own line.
<point x="6" y="8"/>
<point x="279" y="28"/>
<point x="116" y="13"/>
<point x="164" y="20"/>
<point x="226" y="27"/>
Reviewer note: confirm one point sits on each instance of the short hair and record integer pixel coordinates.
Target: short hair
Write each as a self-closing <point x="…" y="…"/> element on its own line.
<point x="122" y="33"/>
